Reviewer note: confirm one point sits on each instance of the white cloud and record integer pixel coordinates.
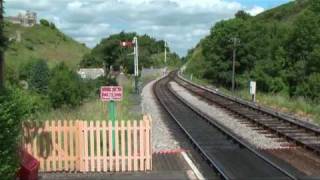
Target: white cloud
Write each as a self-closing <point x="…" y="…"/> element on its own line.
<point x="74" y="5"/>
<point x="255" y="10"/>
<point x="176" y="21"/>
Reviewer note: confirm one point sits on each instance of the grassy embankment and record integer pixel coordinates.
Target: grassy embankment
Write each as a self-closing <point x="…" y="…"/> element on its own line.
<point x="299" y="106"/>
<point x="41" y="42"/>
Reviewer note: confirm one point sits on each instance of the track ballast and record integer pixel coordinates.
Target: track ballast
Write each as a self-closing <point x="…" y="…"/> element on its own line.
<point x="228" y="155"/>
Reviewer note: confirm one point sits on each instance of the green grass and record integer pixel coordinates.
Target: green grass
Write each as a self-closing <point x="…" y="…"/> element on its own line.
<point x="127" y="106"/>
<point x="300" y="107"/>
<point x="94" y="109"/>
<point x="45" y="43"/>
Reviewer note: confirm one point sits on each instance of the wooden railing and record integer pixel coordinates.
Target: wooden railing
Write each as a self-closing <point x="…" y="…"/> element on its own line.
<point x="90" y="146"/>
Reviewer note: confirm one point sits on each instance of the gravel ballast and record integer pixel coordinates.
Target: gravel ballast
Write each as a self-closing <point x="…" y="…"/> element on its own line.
<point x="162" y="139"/>
<point x="253" y="137"/>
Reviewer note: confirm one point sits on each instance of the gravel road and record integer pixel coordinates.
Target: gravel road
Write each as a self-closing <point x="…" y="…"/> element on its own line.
<point x="258" y="140"/>
<point x="162" y="137"/>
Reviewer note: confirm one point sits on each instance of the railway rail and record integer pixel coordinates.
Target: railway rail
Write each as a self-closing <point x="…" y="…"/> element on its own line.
<point x="224" y="151"/>
<point x="301" y="133"/>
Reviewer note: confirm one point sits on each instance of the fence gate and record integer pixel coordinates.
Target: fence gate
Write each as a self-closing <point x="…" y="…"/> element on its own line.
<point x="90" y="146"/>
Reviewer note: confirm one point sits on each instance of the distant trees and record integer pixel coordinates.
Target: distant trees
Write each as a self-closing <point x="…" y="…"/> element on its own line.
<point x="2" y="46"/>
<point x="242" y="15"/>
<point x="44" y="22"/>
<point x="280" y="56"/>
<point x="109" y="52"/>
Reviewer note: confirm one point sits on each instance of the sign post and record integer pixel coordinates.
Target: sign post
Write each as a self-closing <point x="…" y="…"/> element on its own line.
<point x="111" y="94"/>
<point x="253" y="90"/>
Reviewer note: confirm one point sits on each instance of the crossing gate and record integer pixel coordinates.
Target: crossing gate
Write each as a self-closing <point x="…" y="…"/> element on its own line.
<point x="82" y="146"/>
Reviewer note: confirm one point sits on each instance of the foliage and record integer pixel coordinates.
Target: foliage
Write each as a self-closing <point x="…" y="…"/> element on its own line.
<point x="109" y="53"/>
<point x="52" y="25"/>
<point x="65" y="87"/>
<point x="44" y="22"/>
<point x="280" y="49"/>
<point x="39" y="77"/>
<point x="12" y="110"/>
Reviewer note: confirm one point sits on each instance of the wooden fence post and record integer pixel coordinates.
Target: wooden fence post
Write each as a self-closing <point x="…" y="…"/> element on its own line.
<point x="87" y="146"/>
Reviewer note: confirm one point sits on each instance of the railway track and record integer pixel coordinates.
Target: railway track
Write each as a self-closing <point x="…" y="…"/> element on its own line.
<point x="303" y="134"/>
<point x="224" y="151"/>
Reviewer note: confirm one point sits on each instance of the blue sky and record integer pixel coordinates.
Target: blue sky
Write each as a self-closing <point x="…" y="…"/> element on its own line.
<point x="263" y="3"/>
<point x="182" y="23"/>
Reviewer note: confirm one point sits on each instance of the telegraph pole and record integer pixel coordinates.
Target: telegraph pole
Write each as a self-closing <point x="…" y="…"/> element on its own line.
<point x="1" y="48"/>
<point x="165" y="52"/>
<point x="235" y="41"/>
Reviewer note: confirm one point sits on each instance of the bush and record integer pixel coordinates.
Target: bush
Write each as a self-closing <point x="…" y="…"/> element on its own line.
<point x="65" y="87"/>
<point x="44" y="22"/>
<point x="12" y="111"/>
<point x="52" y="26"/>
<point x="39" y="77"/>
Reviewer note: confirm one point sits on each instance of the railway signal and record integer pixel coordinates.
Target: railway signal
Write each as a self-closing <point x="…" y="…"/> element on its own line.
<point x="126" y="43"/>
<point x="136" y="58"/>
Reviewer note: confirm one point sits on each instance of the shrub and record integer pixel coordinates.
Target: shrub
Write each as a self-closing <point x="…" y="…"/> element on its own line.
<point x="65" y="87"/>
<point x="52" y="26"/>
<point x="39" y="77"/>
<point x="44" y="22"/>
<point x="12" y="111"/>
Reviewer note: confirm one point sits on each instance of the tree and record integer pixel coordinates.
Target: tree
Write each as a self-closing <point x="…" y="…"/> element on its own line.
<point x="12" y="112"/>
<point x="44" y="22"/>
<point x="110" y="53"/>
<point x="303" y="50"/>
<point x="242" y="15"/>
<point x="315" y="6"/>
<point x="52" y="25"/>
<point x="65" y="87"/>
<point x="39" y="77"/>
<point x="90" y="61"/>
<point x="2" y="46"/>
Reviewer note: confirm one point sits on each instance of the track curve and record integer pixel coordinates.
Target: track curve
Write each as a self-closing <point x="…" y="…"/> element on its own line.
<point x="303" y="134"/>
<point x="227" y="154"/>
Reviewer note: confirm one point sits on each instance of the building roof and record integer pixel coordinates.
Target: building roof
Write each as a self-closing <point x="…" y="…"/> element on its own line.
<point x="91" y="73"/>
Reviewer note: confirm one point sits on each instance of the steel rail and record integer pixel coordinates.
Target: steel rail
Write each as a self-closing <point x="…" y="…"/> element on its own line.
<point x="313" y="131"/>
<point x="164" y="90"/>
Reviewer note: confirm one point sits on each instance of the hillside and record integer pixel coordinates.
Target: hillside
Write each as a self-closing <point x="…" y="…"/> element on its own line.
<point x="285" y="13"/>
<point x="278" y="48"/>
<point x="42" y="42"/>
